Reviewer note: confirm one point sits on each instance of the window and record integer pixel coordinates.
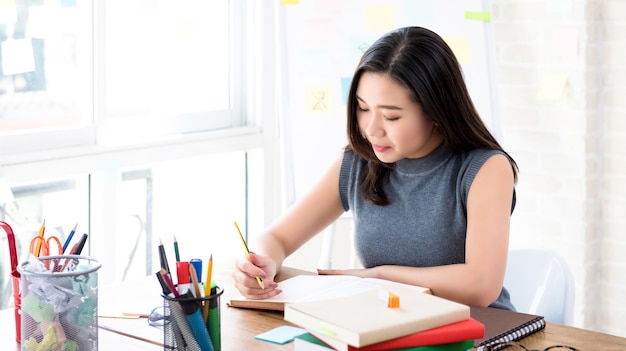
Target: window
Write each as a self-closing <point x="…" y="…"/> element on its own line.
<point x="161" y="68"/>
<point x="168" y="62"/>
<point x="46" y="72"/>
<point x="138" y="115"/>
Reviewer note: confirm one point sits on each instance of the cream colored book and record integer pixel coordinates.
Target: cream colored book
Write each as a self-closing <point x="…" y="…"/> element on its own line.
<point x="318" y="287"/>
<point x="364" y="319"/>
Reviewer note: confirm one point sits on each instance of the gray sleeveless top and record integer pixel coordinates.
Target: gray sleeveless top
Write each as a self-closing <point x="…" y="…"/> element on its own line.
<point x="425" y="222"/>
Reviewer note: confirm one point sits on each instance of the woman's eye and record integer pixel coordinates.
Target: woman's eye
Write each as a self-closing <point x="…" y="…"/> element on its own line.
<point x="362" y="109"/>
<point x="391" y="119"/>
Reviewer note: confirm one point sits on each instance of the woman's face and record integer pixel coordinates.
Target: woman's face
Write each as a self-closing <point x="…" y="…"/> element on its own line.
<point x="392" y="122"/>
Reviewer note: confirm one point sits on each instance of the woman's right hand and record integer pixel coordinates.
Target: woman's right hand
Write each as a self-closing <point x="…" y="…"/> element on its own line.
<point x="245" y="273"/>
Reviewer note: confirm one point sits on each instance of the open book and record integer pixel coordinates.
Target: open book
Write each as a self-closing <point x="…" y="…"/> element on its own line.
<point x="318" y="287"/>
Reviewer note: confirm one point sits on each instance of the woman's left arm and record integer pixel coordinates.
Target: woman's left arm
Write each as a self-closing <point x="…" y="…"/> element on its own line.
<point x="479" y="280"/>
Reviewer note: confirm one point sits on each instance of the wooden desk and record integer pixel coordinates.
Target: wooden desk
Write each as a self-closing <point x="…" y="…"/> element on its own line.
<point x="239" y="326"/>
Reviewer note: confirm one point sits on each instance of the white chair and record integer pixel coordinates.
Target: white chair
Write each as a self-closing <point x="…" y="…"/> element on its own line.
<point x="328" y="245"/>
<point x="540" y="282"/>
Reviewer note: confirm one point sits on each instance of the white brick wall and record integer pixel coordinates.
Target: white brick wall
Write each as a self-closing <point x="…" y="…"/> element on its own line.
<point x="572" y="150"/>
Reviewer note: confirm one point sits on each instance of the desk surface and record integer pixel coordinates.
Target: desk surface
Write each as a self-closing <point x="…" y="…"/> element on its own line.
<point x="239" y="326"/>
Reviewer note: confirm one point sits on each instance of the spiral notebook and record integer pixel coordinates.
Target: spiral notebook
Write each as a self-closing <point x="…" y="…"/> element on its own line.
<point x="503" y="326"/>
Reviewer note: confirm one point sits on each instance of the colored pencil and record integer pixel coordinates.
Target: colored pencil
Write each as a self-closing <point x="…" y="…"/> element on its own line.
<point x="207" y="289"/>
<point x="194" y="280"/>
<point x="168" y="281"/>
<point x="41" y="231"/>
<point x="245" y="247"/>
<point x="176" y="249"/>
<point x="69" y="238"/>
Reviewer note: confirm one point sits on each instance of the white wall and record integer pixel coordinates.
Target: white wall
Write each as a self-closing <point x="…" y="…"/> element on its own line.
<point x="569" y="147"/>
<point x="571" y="196"/>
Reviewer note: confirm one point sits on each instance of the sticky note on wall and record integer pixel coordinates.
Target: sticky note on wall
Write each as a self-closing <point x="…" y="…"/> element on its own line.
<point x="461" y="48"/>
<point x="345" y="89"/>
<point x="552" y="87"/>
<point x="483" y="16"/>
<point x="378" y="18"/>
<point x="318" y="99"/>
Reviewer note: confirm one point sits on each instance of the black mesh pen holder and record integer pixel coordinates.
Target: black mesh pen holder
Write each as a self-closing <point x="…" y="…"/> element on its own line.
<point x="192" y="324"/>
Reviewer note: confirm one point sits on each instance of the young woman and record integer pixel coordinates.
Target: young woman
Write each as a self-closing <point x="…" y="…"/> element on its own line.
<point x="430" y="189"/>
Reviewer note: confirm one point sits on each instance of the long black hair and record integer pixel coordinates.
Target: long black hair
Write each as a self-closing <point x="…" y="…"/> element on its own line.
<point x="421" y="61"/>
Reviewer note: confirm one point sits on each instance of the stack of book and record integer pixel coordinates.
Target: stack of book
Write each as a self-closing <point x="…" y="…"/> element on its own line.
<point x="346" y="313"/>
<point x="371" y="321"/>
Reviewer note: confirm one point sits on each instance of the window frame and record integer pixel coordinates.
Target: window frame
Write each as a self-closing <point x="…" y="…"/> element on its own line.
<point x="254" y="127"/>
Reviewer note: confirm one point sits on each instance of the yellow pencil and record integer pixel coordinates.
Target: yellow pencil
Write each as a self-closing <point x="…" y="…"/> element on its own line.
<point x="245" y="247"/>
<point x="41" y="231"/>
<point x="207" y="289"/>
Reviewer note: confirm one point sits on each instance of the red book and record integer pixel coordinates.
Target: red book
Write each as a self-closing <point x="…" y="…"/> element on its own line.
<point x="469" y="329"/>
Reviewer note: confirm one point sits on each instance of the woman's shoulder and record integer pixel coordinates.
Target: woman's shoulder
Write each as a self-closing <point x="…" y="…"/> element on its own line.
<point x="473" y="161"/>
<point x="477" y="157"/>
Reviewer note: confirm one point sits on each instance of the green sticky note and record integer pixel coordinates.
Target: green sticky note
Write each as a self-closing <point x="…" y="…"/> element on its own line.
<point x="281" y="335"/>
<point x="478" y="16"/>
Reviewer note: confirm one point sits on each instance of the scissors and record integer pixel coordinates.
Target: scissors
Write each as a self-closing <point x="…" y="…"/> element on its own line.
<point x="44" y="249"/>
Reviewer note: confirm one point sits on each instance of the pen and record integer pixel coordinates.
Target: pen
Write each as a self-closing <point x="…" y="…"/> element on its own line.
<point x="176" y="249"/>
<point x="78" y="248"/>
<point x="163" y="257"/>
<point x="245" y="247"/>
<point x="69" y="238"/>
<point x="194" y="316"/>
<point x="185" y="338"/>
<point x="197" y="265"/>
<point x="214" y="319"/>
<point x="164" y="287"/>
<point x="182" y="274"/>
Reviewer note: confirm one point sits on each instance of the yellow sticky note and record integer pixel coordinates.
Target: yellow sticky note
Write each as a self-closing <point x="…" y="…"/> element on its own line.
<point x="461" y="48"/>
<point x="552" y="87"/>
<point x="318" y="99"/>
<point x="478" y="16"/>
<point x="379" y="18"/>
<point x="290" y="2"/>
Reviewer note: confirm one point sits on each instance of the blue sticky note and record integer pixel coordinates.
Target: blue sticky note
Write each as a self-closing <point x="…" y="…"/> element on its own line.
<point x="68" y="3"/>
<point x="281" y="335"/>
<point x="345" y="89"/>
